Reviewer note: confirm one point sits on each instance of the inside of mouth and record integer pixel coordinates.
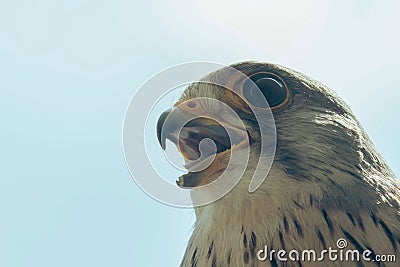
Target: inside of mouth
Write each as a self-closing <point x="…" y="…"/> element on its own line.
<point x="191" y="138"/>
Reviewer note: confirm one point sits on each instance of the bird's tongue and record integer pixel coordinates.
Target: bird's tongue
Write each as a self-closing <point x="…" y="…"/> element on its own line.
<point x="206" y="159"/>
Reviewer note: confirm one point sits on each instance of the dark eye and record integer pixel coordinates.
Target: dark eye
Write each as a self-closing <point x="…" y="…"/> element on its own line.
<point x="268" y="86"/>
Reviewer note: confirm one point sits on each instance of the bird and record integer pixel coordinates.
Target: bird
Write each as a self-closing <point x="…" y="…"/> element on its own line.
<point x="326" y="183"/>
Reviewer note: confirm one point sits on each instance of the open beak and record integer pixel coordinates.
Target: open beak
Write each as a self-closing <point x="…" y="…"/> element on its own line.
<point x="187" y="131"/>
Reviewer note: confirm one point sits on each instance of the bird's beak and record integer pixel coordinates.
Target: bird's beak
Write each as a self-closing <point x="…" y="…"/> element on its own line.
<point x="186" y="131"/>
<point x="161" y="131"/>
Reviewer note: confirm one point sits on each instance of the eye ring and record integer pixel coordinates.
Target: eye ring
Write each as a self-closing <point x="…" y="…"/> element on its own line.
<point x="273" y="88"/>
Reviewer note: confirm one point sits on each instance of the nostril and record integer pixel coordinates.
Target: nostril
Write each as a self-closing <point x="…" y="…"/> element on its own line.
<point x="191" y="104"/>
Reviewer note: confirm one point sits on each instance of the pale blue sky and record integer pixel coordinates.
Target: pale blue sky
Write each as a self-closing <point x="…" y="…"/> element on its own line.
<point x="68" y="70"/>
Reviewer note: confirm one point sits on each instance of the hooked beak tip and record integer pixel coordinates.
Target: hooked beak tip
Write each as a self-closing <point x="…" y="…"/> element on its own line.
<point x="160" y="123"/>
